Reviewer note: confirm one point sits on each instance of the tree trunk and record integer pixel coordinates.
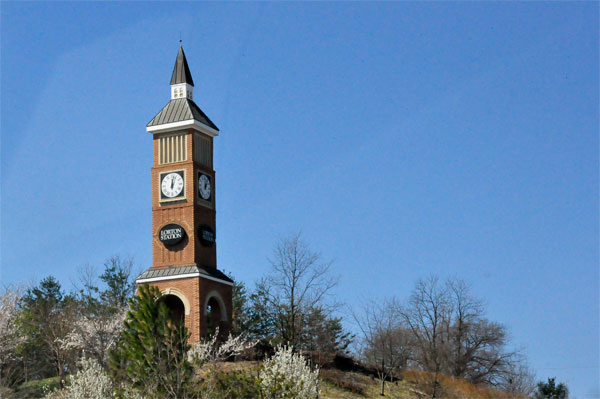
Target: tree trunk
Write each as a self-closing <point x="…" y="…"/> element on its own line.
<point x="382" y="393"/>
<point x="435" y="383"/>
<point x="61" y="373"/>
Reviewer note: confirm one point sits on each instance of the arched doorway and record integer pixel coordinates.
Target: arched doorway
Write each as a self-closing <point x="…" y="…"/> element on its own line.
<point x="176" y="307"/>
<point x="213" y="316"/>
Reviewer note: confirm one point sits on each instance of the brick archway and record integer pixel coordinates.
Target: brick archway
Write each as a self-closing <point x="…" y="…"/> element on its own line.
<point x="214" y="295"/>
<point x="215" y="314"/>
<point x="176" y="308"/>
<point x="178" y="294"/>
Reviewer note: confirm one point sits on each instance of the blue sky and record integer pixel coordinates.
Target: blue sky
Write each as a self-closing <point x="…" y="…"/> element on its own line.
<point x="403" y="139"/>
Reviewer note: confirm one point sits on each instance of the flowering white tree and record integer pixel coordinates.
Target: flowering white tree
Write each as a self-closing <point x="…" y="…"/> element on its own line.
<point x="9" y="332"/>
<point x="95" y="336"/>
<point x="9" y="300"/>
<point x="288" y="375"/>
<point x="212" y="350"/>
<point x="90" y="382"/>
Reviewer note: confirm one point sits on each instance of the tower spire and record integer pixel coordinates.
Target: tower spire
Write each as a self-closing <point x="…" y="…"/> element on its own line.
<point x="182" y="110"/>
<point x="181" y="71"/>
<point x="182" y="84"/>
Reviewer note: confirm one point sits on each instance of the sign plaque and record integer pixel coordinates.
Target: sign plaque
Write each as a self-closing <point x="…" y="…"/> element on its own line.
<point x="171" y="234"/>
<point x="206" y="235"/>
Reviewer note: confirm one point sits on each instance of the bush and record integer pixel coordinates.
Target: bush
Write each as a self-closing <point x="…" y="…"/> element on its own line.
<point x="287" y="375"/>
<point x="235" y="385"/>
<point x="6" y="393"/>
<point x="36" y="388"/>
<point x="90" y="382"/>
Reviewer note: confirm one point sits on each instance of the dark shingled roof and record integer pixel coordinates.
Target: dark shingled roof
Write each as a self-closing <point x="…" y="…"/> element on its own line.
<point x="178" y="270"/>
<point x="181" y="109"/>
<point x="181" y="71"/>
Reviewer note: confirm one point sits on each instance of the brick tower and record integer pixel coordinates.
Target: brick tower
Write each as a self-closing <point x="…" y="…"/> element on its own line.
<point x="184" y="254"/>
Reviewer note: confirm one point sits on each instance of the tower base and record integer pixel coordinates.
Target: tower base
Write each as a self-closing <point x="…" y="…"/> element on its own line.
<point x="200" y="297"/>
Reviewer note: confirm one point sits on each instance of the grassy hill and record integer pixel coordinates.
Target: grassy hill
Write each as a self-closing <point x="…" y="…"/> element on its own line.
<point x="335" y="384"/>
<point x="410" y="384"/>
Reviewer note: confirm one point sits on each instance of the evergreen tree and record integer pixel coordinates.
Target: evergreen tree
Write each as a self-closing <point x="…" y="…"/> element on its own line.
<point x="261" y="324"/>
<point x="119" y="284"/>
<point x="46" y="318"/>
<point x="152" y="352"/>
<point x="241" y="314"/>
<point x="324" y="333"/>
<point x="549" y="390"/>
<point x="49" y="293"/>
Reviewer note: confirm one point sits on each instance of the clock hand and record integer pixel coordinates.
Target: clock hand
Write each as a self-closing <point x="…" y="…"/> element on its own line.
<point x="172" y="182"/>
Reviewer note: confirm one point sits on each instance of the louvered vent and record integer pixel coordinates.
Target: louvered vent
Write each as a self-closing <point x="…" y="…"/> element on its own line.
<point x="172" y="149"/>
<point x="202" y="150"/>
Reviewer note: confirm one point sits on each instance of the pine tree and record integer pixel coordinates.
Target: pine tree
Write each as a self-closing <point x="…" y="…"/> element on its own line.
<point x="119" y="284"/>
<point x="549" y="390"/>
<point x="152" y="353"/>
<point x="241" y="314"/>
<point x="46" y="318"/>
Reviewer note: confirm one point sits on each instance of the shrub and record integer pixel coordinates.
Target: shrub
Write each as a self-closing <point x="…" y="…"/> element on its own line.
<point x="6" y="393"/>
<point x="90" y="382"/>
<point x="287" y="375"/>
<point x="37" y="388"/>
<point x="235" y="385"/>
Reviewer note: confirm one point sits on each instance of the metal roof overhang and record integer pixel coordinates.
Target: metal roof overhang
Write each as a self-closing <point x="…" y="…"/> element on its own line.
<point x="191" y="123"/>
<point x="179" y="272"/>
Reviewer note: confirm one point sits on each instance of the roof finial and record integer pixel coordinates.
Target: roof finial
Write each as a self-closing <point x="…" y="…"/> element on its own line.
<point x="180" y="39"/>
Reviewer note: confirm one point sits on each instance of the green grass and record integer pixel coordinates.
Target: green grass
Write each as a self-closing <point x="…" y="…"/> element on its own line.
<point x="36" y="389"/>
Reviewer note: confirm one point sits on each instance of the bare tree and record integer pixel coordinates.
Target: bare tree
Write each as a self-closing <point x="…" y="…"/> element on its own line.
<point x="452" y="336"/>
<point x="427" y="315"/>
<point x="478" y="346"/>
<point x="386" y="343"/>
<point x="466" y="311"/>
<point x="299" y="283"/>
<point x="518" y="381"/>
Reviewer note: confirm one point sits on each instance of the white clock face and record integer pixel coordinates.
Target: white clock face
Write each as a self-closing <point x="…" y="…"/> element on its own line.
<point x="204" y="186"/>
<point x="172" y="185"/>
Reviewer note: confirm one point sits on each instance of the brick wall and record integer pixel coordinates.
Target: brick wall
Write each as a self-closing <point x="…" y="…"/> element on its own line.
<point x="189" y="213"/>
<point x="197" y="291"/>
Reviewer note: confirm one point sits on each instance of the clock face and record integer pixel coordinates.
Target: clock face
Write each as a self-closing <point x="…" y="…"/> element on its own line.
<point x="171" y="185"/>
<point x="204" y="188"/>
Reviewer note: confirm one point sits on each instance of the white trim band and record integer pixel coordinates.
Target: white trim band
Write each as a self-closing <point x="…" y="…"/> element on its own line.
<point x="194" y="124"/>
<point x="178" y="276"/>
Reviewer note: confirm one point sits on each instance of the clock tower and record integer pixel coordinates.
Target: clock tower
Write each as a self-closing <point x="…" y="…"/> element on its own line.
<point x="184" y="253"/>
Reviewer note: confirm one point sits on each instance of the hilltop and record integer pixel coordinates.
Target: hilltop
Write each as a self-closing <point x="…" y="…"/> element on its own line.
<point x="363" y="384"/>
